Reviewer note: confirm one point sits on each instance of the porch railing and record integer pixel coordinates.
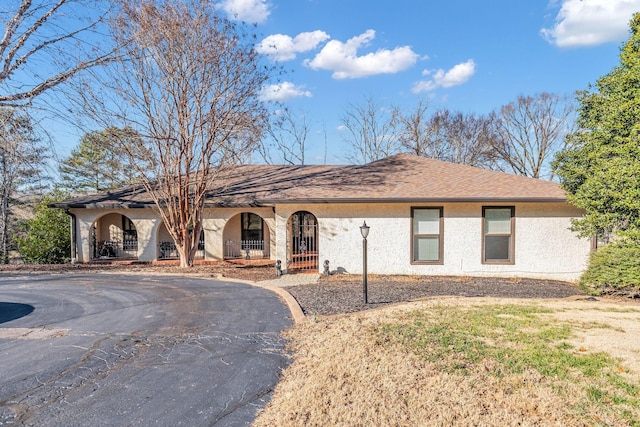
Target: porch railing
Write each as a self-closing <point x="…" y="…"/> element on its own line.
<point x="168" y="250"/>
<point x="245" y="249"/>
<point x="106" y="249"/>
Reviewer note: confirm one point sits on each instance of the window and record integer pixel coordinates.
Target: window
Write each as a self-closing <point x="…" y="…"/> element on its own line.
<point x="129" y="234"/>
<point x="427" y="226"/>
<point x="498" y="227"/>
<point x="251" y="226"/>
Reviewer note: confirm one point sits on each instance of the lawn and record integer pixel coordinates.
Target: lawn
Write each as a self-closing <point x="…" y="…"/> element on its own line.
<point x="465" y="361"/>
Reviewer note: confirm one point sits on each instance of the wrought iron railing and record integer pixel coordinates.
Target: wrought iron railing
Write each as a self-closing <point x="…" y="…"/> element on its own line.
<point x="304" y="252"/>
<point x="168" y="250"/>
<point x="245" y="249"/>
<point x="108" y="249"/>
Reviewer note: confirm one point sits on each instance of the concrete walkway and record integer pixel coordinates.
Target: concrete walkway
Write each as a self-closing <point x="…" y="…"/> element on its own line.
<point x="287" y="280"/>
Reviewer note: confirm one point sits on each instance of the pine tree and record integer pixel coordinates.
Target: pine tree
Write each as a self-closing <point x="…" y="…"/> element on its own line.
<point x="601" y="169"/>
<point x="94" y="166"/>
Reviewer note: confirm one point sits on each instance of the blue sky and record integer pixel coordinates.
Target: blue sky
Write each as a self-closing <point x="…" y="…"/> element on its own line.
<point x="464" y="55"/>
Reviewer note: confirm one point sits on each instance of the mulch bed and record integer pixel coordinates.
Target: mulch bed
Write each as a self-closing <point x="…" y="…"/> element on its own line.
<point x="230" y="270"/>
<point x="344" y="294"/>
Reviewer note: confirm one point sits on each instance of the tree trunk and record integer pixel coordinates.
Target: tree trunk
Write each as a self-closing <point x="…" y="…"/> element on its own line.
<point x="5" y="211"/>
<point x="5" y="228"/>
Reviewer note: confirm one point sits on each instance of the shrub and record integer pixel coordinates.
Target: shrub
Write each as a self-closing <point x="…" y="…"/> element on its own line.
<point x="46" y="238"/>
<point x="613" y="270"/>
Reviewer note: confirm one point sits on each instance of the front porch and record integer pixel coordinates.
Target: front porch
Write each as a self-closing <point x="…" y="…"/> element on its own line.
<point x="140" y="235"/>
<point x="246" y="236"/>
<point x="113" y="236"/>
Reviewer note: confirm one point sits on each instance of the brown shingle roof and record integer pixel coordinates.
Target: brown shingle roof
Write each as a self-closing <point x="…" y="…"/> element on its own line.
<point x="402" y="177"/>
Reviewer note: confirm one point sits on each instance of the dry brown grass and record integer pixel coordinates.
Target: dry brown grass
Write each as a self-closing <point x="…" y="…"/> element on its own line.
<point x="343" y="374"/>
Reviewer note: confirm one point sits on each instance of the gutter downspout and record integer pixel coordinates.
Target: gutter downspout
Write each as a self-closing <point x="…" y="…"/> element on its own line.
<point x="73" y="236"/>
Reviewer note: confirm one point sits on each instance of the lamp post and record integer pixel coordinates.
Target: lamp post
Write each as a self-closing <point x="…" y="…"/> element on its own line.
<point x="364" y="230"/>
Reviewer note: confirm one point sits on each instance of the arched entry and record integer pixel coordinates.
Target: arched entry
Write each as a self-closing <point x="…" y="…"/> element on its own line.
<point x="246" y="236"/>
<point x="302" y="242"/>
<point x="114" y="236"/>
<point x="167" y="246"/>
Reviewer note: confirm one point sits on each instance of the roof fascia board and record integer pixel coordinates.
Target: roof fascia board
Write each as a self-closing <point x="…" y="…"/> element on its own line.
<point x="423" y="200"/>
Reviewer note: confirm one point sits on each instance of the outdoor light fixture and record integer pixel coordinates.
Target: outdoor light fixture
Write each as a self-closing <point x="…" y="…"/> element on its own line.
<point x="364" y="230"/>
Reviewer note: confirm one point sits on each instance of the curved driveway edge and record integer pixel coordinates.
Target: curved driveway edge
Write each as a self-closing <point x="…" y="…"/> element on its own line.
<point x="140" y="350"/>
<point x="296" y="311"/>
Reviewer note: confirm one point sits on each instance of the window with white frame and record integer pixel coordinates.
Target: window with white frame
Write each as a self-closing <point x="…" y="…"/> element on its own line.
<point x="427" y="232"/>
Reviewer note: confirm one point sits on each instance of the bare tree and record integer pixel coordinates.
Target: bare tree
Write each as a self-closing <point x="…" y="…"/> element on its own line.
<point x="445" y="135"/>
<point x="288" y="138"/>
<point x="371" y="132"/>
<point x="46" y="42"/>
<point x="532" y="130"/>
<point x="188" y="85"/>
<point x="21" y="161"/>
<point x="468" y="138"/>
<point x="418" y="133"/>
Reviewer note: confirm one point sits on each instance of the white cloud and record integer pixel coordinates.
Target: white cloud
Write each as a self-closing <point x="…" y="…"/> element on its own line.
<point x="343" y="60"/>
<point x="255" y="11"/>
<point x="458" y="75"/>
<point x="283" y="91"/>
<point x="591" y="22"/>
<point x="281" y="47"/>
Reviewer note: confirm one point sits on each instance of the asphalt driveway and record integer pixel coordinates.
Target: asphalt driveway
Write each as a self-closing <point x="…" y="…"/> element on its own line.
<point x="134" y="350"/>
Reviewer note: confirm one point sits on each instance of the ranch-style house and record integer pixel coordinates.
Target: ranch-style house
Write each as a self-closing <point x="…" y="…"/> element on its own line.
<point x="426" y="217"/>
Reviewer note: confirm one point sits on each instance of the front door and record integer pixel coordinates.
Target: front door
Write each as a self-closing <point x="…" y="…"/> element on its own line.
<point x="303" y="249"/>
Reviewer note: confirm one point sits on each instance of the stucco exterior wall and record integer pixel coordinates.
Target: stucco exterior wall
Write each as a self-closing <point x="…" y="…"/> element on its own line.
<point x="544" y="245"/>
<point x="109" y="227"/>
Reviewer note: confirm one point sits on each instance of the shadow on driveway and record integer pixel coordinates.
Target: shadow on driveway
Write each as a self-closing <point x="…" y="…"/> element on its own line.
<point x="13" y="310"/>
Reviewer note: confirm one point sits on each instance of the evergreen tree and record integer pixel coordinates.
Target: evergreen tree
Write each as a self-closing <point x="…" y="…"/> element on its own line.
<point x="601" y="169"/>
<point x="94" y="166"/>
<point x="601" y="173"/>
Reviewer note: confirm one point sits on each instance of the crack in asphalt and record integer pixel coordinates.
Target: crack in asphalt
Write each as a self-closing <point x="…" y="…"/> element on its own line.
<point x="232" y="371"/>
<point x="242" y="402"/>
<point x="112" y="352"/>
<point x="106" y="355"/>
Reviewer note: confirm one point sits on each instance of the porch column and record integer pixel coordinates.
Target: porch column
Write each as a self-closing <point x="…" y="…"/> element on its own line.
<point x="83" y="236"/>
<point x="281" y="238"/>
<point x="147" y="238"/>
<point x="213" y="235"/>
<point x="271" y="225"/>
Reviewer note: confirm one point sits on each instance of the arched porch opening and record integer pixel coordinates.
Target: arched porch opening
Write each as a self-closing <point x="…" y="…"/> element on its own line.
<point x="302" y="242"/>
<point x="113" y="236"/>
<point x="246" y="236"/>
<point x="167" y="246"/>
